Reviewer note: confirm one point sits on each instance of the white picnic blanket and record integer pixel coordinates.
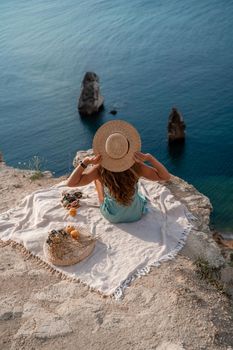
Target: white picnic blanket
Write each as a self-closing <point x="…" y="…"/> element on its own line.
<point x="122" y="252"/>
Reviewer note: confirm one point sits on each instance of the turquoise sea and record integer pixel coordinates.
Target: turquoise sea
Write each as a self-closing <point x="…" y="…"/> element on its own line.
<point x="150" y="56"/>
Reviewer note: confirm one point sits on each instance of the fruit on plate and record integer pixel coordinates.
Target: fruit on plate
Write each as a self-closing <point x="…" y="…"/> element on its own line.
<point x="72" y="212"/>
<point x="74" y="234"/>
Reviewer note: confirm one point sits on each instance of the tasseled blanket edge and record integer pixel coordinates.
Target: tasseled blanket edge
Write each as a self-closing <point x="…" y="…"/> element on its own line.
<point x="119" y="291"/>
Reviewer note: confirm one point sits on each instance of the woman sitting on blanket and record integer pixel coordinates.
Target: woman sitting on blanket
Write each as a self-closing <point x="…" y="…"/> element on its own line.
<point x="117" y="166"/>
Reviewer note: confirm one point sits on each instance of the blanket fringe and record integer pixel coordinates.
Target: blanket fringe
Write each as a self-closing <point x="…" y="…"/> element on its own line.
<point x="40" y="262"/>
<point x="119" y="292"/>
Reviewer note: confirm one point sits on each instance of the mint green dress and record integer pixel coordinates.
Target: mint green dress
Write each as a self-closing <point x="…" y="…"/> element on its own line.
<point x="116" y="213"/>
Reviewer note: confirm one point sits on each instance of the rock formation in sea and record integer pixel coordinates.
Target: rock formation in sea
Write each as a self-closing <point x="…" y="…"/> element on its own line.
<point x="176" y="126"/>
<point x="113" y="112"/>
<point x="90" y="100"/>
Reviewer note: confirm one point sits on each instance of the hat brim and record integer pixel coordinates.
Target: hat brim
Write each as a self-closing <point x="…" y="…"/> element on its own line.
<point x="126" y="129"/>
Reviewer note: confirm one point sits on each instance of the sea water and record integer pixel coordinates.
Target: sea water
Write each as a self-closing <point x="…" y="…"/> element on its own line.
<point x="150" y="56"/>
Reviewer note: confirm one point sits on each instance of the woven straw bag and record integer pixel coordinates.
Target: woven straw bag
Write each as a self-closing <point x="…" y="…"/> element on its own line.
<point x="62" y="249"/>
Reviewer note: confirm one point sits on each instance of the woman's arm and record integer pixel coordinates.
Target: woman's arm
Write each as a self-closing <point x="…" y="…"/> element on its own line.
<point x="77" y="178"/>
<point x="156" y="172"/>
<point x="162" y="171"/>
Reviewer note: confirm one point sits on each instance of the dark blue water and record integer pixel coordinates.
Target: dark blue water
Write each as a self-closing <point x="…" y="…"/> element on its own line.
<point x="150" y="56"/>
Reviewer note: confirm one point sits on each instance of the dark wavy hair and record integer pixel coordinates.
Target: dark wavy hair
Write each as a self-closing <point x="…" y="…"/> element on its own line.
<point x="121" y="185"/>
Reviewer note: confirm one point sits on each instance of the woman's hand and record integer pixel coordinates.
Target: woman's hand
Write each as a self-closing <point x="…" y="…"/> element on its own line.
<point x="93" y="160"/>
<point x="140" y="157"/>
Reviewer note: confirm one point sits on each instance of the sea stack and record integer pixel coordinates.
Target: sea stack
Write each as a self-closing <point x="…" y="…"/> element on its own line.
<point x="90" y="100"/>
<point x="176" y="126"/>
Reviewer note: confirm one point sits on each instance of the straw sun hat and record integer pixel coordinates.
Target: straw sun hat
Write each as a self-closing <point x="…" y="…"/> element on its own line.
<point x="116" y="141"/>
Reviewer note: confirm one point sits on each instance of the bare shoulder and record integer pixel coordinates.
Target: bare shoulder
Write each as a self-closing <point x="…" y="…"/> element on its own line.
<point x="146" y="171"/>
<point x="95" y="171"/>
<point x="137" y="168"/>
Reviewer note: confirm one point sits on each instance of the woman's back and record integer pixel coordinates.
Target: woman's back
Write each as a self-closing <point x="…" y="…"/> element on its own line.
<point x="116" y="212"/>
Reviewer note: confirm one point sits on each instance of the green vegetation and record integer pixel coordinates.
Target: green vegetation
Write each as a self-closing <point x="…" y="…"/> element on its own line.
<point x="36" y="176"/>
<point x="209" y="273"/>
<point x="35" y="164"/>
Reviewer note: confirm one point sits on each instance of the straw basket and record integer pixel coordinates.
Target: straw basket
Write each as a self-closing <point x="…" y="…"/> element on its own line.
<point x="62" y="249"/>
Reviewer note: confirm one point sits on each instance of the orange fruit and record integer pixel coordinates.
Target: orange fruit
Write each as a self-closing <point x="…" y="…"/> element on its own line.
<point x="72" y="211"/>
<point x="69" y="228"/>
<point x="74" y="234"/>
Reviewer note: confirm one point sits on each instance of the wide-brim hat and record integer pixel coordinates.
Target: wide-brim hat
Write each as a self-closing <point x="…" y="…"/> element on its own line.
<point x="116" y="141"/>
<point x="62" y="249"/>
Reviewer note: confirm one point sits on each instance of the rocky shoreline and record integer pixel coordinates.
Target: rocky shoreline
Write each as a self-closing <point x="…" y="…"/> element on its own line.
<point x="171" y="308"/>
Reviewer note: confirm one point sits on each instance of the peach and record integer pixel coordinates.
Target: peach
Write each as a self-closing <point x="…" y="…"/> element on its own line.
<point x="74" y="234"/>
<point x="72" y="212"/>
<point x="69" y="228"/>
